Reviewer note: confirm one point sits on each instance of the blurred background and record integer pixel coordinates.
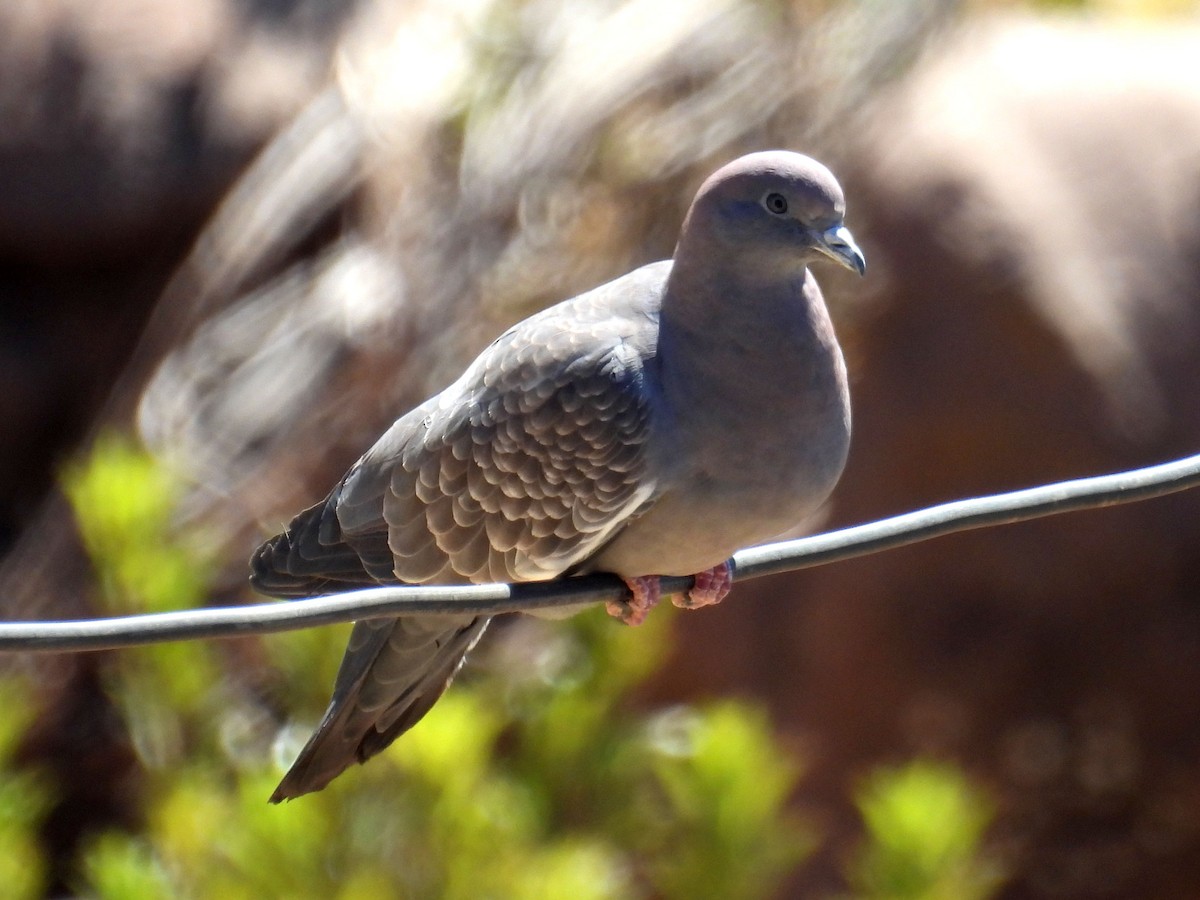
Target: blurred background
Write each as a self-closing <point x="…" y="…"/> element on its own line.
<point x="239" y="237"/>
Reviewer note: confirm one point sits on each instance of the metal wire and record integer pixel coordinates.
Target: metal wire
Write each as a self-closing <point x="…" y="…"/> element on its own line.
<point x="493" y="599"/>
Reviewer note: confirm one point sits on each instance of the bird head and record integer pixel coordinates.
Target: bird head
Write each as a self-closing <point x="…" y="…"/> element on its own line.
<point x="774" y="210"/>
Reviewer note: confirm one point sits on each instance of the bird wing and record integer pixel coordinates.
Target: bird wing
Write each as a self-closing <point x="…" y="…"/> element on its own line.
<point x="523" y="468"/>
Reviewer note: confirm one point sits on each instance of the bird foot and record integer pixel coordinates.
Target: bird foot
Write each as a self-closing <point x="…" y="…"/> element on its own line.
<point x="645" y="592"/>
<point x="709" y="589"/>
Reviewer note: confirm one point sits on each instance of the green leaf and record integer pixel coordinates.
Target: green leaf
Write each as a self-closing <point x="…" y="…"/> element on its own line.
<point x="925" y="823"/>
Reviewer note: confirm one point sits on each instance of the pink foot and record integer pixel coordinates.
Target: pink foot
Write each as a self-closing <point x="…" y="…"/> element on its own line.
<point x="710" y="588"/>
<point x="645" y="591"/>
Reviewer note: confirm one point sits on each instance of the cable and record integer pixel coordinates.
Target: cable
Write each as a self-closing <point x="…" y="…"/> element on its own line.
<point x="493" y="599"/>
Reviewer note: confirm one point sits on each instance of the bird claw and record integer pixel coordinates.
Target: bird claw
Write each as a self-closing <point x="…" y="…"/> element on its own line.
<point x="709" y="589"/>
<point x="645" y="591"/>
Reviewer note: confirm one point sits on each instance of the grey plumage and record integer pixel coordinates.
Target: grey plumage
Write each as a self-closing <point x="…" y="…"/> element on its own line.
<point x="651" y="426"/>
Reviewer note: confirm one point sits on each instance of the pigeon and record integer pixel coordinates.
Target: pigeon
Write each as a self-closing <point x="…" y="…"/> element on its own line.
<point x="651" y="426"/>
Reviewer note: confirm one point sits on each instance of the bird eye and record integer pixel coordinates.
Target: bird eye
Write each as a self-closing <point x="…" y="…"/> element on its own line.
<point x="775" y="203"/>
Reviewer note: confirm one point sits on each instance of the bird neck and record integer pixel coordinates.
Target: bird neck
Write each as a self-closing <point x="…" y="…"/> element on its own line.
<point x="744" y="307"/>
<point x="731" y="334"/>
<point x="734" y="356"/>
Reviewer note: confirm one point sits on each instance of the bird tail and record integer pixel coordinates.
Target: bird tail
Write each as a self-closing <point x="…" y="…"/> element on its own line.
<point x="393" y="672"/>
<point x="312" y="558"/>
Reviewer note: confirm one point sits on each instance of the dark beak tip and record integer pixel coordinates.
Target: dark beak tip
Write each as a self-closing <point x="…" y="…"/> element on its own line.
<point x="838" y="243"/>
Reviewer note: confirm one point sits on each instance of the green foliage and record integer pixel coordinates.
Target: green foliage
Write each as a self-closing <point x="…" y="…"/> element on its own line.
<point x="122" y="868"/>
<point x="725" y="832"/>
<point x="538" y="780"/>
<point x="24" y="799"/>
<point x="512" y="788"/>
<point x="124" y="502"/>
<point x="925" y="824"/>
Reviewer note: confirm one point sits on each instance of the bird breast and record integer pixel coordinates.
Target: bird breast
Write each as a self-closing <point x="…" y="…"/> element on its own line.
<point x="759" y="429"/>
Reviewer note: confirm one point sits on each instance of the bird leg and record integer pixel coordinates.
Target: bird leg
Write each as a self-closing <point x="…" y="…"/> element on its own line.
<point x="645" y="592"/>
<point x="709" y="589"/>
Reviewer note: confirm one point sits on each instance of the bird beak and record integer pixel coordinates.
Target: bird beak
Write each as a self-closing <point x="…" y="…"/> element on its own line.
<point x="838" y="244"/>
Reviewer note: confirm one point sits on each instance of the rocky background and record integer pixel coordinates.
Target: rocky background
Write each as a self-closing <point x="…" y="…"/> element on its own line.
<point x="1026" y="188"/>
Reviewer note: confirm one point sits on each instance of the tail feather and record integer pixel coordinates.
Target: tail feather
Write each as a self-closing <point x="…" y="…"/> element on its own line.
<point x="313" y="557"/>
<point x="368" y="711"/>
<point x="394" y="670"/>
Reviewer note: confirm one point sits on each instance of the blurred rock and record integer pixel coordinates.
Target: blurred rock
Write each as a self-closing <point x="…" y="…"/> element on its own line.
<point x="124" y="122"/>
<point x="1030" y="210"/>
<point x="1027" y="199"/>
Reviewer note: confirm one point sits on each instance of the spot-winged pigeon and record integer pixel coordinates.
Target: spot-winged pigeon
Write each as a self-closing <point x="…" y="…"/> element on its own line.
<point x="651" y="426"/>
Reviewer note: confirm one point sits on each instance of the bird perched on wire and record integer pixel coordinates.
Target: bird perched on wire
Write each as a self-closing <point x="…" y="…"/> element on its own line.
<point x="651" y="426"/>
